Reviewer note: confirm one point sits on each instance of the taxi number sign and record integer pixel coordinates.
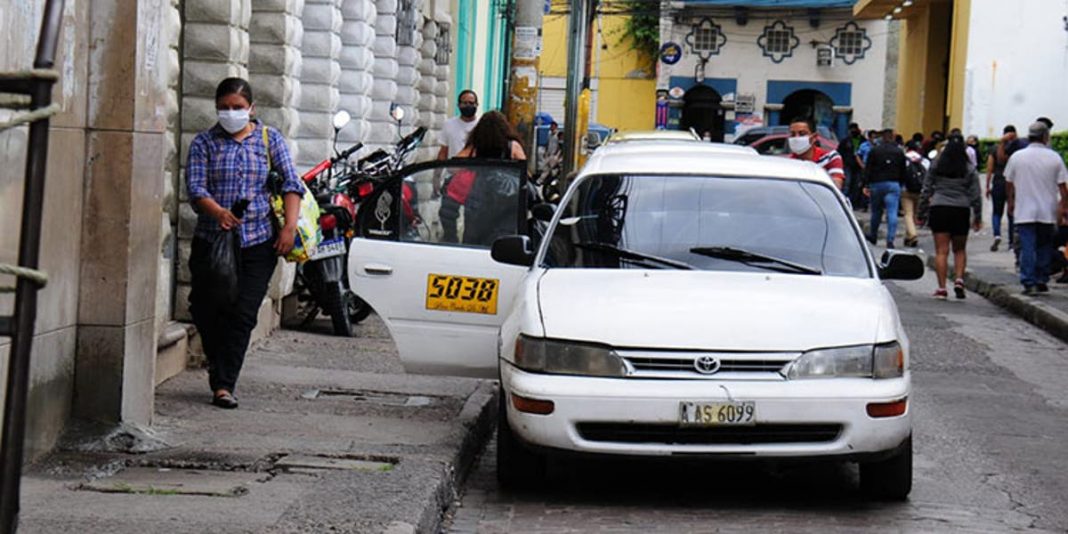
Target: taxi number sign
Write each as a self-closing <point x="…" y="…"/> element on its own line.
<point x="466" y="294"/>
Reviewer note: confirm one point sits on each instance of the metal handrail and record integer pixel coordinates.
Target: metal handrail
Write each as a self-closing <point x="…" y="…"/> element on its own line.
<point x="20" y="326"/>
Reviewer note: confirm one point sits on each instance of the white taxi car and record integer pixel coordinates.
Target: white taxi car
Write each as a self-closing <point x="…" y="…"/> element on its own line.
<point x="689" y="301"/>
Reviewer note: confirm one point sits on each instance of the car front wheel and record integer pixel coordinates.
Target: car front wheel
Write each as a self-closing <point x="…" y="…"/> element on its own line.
<point x="889" y="479"/>
<point x="517" y="466"/>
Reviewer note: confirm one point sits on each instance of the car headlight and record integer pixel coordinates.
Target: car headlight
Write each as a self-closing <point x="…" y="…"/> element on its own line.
<point x="886" y="360"/>
<point x="569" y="358"/>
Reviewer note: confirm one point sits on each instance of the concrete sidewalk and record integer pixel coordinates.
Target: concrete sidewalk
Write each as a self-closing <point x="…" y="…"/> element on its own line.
<point x="992" y="275"/>
<point x="330" y="436"/>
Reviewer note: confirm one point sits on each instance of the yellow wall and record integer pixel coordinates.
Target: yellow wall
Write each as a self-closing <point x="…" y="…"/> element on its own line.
<point x="626" y="96"/>
<point x="922" y="80"/>
<point x="958" y="61"/>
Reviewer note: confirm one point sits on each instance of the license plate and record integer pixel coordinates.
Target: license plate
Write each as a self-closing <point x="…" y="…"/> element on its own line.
<point x="717" y="413"/>
<point x="467" y="294"/>
<point x="329" y="249"/>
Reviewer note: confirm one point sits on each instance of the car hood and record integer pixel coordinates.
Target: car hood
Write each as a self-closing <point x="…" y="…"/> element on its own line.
<point x="713" y="310"/>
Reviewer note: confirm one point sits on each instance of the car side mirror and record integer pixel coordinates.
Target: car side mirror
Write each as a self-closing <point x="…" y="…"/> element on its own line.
<point x="896" y="265"/>
<point x="513" y="250"/>
<point x="543" y="211"/>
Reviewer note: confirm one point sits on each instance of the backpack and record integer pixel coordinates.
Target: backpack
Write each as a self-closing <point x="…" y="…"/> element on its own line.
<point x="914" y="175"/>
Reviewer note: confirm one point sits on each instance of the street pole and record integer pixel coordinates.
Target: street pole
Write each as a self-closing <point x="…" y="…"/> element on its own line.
<point x="522" y="103"/>
<point x="578" y="26"/>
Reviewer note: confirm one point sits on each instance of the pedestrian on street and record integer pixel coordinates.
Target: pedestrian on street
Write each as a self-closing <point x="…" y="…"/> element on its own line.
<point x="951" y="201"/>
<point x="915" y="174"/>
<point x="802" y="142"/>
<point x="492" y="138"/>
<point x="884" y="175"/>
<point x="995" y="185"/>
<point x="227" y="163"/>
<point x="455" y="130"/>
<point x="1034" y="176"/>
<point x="932" y="143"/>
<point x="972" y="147"/>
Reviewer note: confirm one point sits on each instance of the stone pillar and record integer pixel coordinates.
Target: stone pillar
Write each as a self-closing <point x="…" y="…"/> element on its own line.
<point x="216" y="47"/>
<point x="126" y="147"/>
<point x="274" y="63"/>
<point x="171" y="38"/>
<point x="443" y="102"/>
<point x="384" y="92"/>
<point x="409" y="41"/>
<point x="321" y="49"/>
<point x="357" y="64"/>
<point x="427" y="87"/>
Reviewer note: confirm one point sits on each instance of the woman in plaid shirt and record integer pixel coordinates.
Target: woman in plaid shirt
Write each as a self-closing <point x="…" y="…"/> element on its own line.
<point x="228" y="163"/>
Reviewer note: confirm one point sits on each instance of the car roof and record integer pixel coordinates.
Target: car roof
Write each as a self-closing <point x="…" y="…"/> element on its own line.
<point x="686" y="157"/>
<point x="653" y="135"/>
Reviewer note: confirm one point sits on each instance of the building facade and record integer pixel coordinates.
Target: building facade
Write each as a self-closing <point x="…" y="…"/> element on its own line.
<point x="622" y="80"/>
<point x="978" y="65"/>
<point x="729" y="65"/>
<point x="137" y="81"/>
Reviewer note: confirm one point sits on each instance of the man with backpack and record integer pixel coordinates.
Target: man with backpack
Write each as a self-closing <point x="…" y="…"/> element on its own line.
<point x="916" y="168"/>
<point x="884" y="174"/>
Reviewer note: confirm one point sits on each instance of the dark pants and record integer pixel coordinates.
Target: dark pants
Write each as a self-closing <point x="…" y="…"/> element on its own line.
<point x="998" y="197"/>
<point x="225" y="329"/>
<point x="1036" y="251"/>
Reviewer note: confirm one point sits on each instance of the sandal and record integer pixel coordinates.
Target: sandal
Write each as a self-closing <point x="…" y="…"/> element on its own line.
<point x="958" y="288"/>
<point x="225" y="400"/>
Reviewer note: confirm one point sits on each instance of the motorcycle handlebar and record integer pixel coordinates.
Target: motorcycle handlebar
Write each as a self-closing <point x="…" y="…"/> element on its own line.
<point x="348" y="152"/>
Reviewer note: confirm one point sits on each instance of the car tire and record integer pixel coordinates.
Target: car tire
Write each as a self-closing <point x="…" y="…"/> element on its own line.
<point x="518" y="467"/>
<point x="889" y="479"/>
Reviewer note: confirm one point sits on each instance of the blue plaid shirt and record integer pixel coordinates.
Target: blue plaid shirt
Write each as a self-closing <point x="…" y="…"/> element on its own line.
<point x="226" y="170"/>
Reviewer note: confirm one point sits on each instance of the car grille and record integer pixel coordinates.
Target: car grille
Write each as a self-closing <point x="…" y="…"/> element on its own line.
<point x="673" y="434"/>
<point x="740" y="366"/>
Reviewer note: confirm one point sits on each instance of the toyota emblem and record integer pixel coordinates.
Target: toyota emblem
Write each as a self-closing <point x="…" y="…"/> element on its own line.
<point x="706" y="365"/>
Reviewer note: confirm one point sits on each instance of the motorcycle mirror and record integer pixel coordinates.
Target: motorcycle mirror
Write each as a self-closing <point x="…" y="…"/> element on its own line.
<point x="397" y="113"/>
<point x="341" y="119"/>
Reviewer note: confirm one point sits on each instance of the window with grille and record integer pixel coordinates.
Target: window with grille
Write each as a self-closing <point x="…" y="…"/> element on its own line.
<point x="780" y="41"/>
<point x="850" y="43"/>
<point x="406" y="23"/>
<point x="705" y="39"/>
<point x="444" y="45"/>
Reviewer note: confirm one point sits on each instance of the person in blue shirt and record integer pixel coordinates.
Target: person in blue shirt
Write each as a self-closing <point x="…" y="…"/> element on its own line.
<point x="229" y="163"/>
<point x="866" y="146"/>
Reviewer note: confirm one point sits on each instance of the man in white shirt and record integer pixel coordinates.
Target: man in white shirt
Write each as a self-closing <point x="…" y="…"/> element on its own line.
<point x="1034" y="176"/>
<point x="454" y="131"/>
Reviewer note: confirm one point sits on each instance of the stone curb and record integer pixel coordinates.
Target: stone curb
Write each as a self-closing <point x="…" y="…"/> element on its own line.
<point x="1048" y="318"/>
<point x="477" y="419"/>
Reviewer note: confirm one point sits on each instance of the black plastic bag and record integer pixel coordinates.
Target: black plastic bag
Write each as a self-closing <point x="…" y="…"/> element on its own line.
<point x="224" y="261"/>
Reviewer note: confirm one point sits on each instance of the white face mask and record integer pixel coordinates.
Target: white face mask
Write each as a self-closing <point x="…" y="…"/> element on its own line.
<point x="799" y="145"/>
<point x="233" y="120"/>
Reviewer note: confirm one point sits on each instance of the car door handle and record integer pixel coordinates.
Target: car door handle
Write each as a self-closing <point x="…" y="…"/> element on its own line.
<point x="377" y="268"/>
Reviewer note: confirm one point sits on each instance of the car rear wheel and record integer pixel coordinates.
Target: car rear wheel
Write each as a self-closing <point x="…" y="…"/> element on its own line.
<point x="517" y="466"/>
<point x="889" y="479"/>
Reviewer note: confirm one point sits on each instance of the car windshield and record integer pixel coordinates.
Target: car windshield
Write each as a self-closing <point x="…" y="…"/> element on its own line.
<point x="707" y="223"/>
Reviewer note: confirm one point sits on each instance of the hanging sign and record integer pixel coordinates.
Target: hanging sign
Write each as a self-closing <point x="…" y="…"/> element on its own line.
<point x="676" y="92"/>
<point x="670" y="53"/>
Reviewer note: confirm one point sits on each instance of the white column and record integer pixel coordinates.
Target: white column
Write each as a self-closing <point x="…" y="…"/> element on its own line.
<point x="357" y="67"/>
<point x="319" y="75"/>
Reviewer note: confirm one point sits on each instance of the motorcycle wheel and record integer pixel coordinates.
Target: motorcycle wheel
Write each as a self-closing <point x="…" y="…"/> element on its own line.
<point x="358" y="308"/>
<point x="335" y="304"/>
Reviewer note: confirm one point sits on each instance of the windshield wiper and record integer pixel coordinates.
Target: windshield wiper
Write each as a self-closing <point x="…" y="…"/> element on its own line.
<point x="751" y="258"/>
<point x="628" y="254"/>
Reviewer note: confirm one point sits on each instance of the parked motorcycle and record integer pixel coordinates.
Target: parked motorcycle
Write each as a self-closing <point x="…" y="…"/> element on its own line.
<point x="322" y="279"/>
<point x="340" y="187"/>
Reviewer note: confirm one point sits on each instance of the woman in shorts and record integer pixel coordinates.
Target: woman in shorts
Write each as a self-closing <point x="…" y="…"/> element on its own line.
<point x="951" y="201"/>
